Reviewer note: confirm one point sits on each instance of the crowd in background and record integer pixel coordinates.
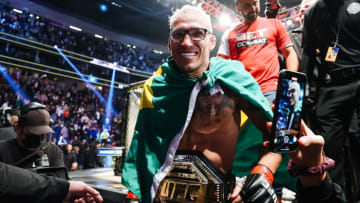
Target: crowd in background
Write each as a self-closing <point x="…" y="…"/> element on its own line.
<point x="78" y="115"/>
<point x="49" y="32"/>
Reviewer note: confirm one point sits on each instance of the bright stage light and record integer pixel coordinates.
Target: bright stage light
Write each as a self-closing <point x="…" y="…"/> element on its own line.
<point x="17" y="10"/>
<point x="92" y="79"/>
<point x="13" y="84"/>
<point x="88" y="84"/>
<point x="75" y="28"/>
<point x="103" y="8"/>
<point x="225" y="20"/>
<point x="98" y="36"/>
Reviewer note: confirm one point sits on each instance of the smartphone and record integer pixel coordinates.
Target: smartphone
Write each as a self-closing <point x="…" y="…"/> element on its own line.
<point x="287" y="112"/>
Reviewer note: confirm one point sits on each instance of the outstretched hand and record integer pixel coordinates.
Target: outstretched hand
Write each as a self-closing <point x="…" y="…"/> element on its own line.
<point x="79" y="192"/>
<point x="309" y="153"/>
<point x="309" y="150"/>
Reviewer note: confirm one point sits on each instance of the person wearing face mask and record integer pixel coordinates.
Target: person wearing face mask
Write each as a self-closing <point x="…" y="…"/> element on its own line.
<point x="31" y="147"/>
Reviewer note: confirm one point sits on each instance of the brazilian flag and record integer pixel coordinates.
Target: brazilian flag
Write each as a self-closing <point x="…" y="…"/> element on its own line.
<point x="167" y="103"/>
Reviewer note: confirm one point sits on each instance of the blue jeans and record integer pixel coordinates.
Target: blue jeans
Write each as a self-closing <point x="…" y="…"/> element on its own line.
<point x="270" y="96"/>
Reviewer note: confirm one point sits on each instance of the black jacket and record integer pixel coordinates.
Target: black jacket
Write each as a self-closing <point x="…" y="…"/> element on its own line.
<point x="20" y="185"/>
<point x="325" y="193"/>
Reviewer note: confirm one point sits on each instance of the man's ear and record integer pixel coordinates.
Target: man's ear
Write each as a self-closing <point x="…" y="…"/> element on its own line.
<point x="169" y="46"/>
<point x="237" y="7"/>
<point x="17" y="127"/>
<point x="212" y="42"/>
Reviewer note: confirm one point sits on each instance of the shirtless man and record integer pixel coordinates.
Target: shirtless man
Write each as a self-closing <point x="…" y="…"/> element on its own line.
<point x="193" y="103"/>
<point x="214" y="127"/>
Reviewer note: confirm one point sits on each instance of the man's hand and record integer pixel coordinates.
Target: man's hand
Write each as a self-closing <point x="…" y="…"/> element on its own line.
<point x="257" y="190"/>
<point x="309" y="152"/>
<point x="79" y="192"/>
<point x="239" y="183"/>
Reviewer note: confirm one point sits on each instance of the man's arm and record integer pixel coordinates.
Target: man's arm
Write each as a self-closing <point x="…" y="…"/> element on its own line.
<point x="291" y="58"/>
<point x="55" y="155"/>
<point x="314" y="187"/>
<point x="309" y="46"/>
<point x="271" y="160"/>
<point x="257" y="186"/>
<point x="19" y="185"/>
<point x="224" y="48"/>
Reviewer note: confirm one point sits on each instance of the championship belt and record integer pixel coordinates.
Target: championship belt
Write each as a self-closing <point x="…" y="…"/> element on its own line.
<point x="194" y="178"/>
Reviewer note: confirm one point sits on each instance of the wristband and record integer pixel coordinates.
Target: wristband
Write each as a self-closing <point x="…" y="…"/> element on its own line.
<point x="131" y="196"/>
<point x="265" y="171"/>
<point x="295" y="170"/>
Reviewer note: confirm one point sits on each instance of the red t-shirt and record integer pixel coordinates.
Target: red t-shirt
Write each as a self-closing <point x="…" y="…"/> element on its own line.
<point x="256" y="46"/>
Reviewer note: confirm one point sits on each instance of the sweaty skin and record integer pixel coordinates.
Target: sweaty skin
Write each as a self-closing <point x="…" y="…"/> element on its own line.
<point x="214" y="128"/>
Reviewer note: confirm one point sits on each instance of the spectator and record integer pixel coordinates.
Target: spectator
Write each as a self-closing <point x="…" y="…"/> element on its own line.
<point x="91" y="160"/>
<point x="31" y="142"/>
<point x="70" y="158"/>
<point x="256" y="42"/>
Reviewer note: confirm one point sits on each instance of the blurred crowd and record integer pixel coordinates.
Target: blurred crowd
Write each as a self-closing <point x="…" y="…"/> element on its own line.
<point x="78" y="115"/>
<point x="49" y="32"/>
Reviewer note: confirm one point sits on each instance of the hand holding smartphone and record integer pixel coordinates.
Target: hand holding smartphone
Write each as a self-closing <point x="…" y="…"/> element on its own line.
<point x="288" y="110"/>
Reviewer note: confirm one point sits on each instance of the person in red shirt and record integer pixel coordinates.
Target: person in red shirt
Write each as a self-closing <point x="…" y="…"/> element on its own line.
<point x="255" y="42"/>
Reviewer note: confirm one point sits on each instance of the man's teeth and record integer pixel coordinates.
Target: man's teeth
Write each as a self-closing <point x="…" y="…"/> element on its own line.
<point x="188" y="54"/>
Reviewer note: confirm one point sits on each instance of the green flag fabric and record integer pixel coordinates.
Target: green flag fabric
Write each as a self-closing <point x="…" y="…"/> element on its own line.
<point x="167" y="103"/>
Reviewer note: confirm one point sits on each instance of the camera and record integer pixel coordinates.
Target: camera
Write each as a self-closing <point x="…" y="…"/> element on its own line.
<point x="5" y="117"/>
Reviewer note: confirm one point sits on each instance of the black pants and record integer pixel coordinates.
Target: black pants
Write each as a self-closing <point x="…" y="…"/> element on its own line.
<point x="335" y="108"/>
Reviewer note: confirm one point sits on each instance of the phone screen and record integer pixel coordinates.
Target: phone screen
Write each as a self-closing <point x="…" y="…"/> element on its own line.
<point x="287" y="112"/>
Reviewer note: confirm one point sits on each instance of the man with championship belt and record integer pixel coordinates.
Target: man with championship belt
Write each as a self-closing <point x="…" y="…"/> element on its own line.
<point x="194" y="103"/>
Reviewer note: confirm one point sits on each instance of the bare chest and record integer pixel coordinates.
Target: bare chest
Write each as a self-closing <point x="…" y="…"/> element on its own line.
<point x="214" y="128"/>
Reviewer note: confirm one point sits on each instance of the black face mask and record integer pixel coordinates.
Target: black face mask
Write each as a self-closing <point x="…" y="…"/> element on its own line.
<point x="33" y="141"/>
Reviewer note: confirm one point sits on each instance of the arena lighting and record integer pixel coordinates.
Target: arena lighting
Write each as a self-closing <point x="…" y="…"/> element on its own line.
<point x="225" y="20"/>
<point x="31" y="15"/>
<point x="116" y="4"/>
<point x="98" y="36"/>
<point x="92" y="88"/>
<point x="92" y="79"/>
<point x="157" y="51"/>
<point x="109" y="101"/>
<point x="103" y="8"/>
<point x="289" y="22"/>
<point x="13" y="83"/>
<point x="17" y="10"/>
<point x="75" y="28"/>
<point x="109" y="65"/>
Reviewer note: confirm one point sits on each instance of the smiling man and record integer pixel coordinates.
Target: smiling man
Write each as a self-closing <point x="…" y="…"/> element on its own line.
<point x="193" y="103"/>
